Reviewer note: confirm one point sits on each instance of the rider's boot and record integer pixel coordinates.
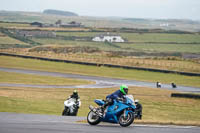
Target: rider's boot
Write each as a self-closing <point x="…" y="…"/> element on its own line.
<point x="101" y="111"/>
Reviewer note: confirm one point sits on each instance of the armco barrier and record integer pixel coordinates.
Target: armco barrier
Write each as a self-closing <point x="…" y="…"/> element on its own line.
<point x="107" y="65"/>
<point x="182" y="95"/>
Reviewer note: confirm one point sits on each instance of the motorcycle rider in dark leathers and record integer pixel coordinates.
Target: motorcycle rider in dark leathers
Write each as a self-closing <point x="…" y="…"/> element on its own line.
<point x="138" y="109"/>
<point x="73" y="111"/>
<point x="119" y="94"/>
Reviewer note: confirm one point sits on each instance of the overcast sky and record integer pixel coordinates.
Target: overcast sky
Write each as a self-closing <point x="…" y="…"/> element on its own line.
<point x="180" y="9"/>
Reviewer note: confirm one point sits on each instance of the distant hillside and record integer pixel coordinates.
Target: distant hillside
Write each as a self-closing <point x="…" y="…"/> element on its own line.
<point x="101" y="22"/>
<point x="58" y="12"/>
<point x="180" y="21"/>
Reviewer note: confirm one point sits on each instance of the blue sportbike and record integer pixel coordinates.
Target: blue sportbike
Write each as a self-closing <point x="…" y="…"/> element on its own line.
<point x="121" y="111"/>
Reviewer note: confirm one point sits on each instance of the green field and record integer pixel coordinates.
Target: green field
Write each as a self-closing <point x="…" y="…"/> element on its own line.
<point x="162" y="37"/>
<point x="136" y="42"/>
<point x="9" y="40"/>
<point x="17" y="78"/>
<point x="12" y="62"/>
<point x="182" y="48"/>
<point x="147" y="42"/>
<point x="130" y="47"/>
<point x="144" y="37"/>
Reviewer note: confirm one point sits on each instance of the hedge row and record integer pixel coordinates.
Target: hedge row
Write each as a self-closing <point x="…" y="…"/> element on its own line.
<point x="184" y="95"/>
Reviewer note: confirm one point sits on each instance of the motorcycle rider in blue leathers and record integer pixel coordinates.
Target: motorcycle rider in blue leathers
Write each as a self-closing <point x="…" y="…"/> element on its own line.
<point x="119" y="94"/>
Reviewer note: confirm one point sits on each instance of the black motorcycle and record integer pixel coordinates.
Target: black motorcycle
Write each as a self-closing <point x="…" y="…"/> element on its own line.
<point x="138" y="110"/>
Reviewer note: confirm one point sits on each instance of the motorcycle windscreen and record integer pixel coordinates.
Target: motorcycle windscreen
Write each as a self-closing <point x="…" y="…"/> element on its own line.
<point x="99" y="102"/>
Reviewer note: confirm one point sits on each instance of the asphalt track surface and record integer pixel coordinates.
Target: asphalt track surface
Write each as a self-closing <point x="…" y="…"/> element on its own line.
<point x="101" y="82"/>
<point x="32" y="123"/>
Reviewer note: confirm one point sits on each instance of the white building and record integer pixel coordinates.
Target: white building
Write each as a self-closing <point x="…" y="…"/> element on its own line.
<point x="164" y="25"/>
<point x="108" y="37"/>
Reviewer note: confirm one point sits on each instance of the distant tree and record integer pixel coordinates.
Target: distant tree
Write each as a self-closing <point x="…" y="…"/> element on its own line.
<point x="73" y="22"/>
<point x="59" y="22"/>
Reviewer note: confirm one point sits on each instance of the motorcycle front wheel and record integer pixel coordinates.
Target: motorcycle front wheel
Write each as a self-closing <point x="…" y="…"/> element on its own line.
<point x="93" y="118"/>
<point x="125" y="121"/>
<point x="65" y="112"/>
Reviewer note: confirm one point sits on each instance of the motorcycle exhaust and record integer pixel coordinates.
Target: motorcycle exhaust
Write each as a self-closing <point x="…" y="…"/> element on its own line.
<point x="93" y="109"/>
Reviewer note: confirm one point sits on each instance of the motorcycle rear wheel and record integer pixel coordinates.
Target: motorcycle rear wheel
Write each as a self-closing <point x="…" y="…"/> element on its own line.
<point x="93" y="118"/>
<point x="126" y="121"/>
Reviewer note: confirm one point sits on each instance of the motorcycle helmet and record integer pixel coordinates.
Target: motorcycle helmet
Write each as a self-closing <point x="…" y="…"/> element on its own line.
<point x="136" y="101"/>
<point x="75" y="92"/>
<point x="124" y="89"/>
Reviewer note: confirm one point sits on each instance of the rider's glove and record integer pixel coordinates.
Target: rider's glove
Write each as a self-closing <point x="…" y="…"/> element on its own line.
<point x="124" y="100"/>
<point x="119" y="99"/>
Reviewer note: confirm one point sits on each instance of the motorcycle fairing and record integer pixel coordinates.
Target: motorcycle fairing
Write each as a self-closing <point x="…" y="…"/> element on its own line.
<point x="113" y="111"/>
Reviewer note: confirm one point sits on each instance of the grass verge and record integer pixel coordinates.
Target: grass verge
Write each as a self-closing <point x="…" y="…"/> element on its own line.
<point x="10" y="77"/>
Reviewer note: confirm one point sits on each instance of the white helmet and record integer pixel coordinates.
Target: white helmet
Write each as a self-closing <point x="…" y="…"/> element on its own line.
<point x="136" y="100"/>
